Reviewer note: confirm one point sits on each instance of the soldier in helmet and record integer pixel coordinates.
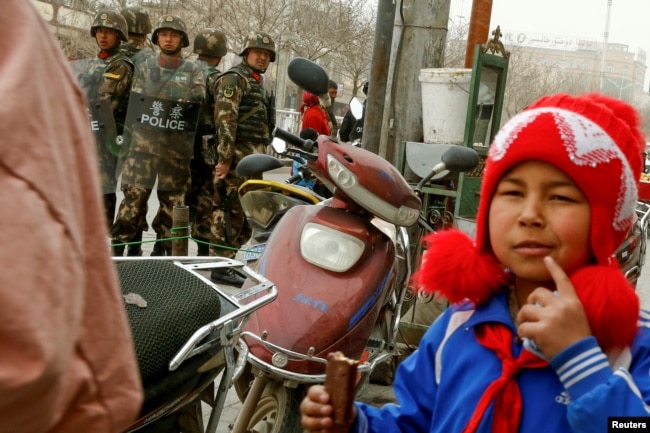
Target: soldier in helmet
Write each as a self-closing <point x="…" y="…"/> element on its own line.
<point x="107" y="82"/>
<point x="242" y="117"/>
<point x="161" y="122"/>
<point x="210" y="45"/>
<point x="138" y="47"/>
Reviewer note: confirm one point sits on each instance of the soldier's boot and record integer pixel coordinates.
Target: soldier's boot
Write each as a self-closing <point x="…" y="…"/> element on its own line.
<point x="117" y="250"/>
<point x="157" y="247"/>
<point x="203" y="249"/>
<point x="135" y="250"/>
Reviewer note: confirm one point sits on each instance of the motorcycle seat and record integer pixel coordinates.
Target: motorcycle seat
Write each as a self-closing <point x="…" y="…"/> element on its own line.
<point x="177" y="304"/>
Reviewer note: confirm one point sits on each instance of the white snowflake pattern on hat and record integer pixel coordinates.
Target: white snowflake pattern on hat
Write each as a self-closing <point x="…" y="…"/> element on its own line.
<point x="586" y="143"/>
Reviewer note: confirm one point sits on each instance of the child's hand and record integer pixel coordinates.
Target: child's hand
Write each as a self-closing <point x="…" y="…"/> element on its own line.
<point x="316" y="410"/>
<point x="553" y="321"/>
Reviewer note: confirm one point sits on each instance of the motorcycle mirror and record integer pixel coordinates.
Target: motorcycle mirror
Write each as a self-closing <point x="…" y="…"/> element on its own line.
<point x="308" y="75"/>
<point x="256" y="163"/>
<point x="279" y="145"/>
<point x="460" y="159"/>
<point x="356" y="107"/>
<point x="456" y="158"/>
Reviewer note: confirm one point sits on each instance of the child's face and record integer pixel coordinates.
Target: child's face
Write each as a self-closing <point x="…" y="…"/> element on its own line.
<point x="538" y="211"/>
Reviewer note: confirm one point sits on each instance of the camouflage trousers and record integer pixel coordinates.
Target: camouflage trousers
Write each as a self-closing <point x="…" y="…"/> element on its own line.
<point x="229" y="227"/>
<point x="140" y="172"/>
<point x="132" y="214"/>
<point x="110" y="203"/>
<point x="199" y="198"/>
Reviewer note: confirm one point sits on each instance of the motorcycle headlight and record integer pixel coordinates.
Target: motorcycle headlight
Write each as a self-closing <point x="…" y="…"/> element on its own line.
<point x="263" y="206"/>
<point x="346" y="180"/>
<point x="328" y="248"/>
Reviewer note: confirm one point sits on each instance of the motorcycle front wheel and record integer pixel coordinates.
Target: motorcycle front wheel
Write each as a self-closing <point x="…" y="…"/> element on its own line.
<point x="278" y="410"/>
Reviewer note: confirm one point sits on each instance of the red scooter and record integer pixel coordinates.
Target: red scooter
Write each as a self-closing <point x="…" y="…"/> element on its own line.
<point x="342" y="269"/>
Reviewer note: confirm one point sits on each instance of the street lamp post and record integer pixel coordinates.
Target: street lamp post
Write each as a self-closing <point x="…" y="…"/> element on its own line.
<point x="620" y="86"/>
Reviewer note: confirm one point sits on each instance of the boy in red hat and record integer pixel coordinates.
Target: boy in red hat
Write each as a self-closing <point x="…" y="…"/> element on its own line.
<point x="544" y="333"/>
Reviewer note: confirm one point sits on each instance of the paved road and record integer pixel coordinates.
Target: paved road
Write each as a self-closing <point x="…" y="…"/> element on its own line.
<point x="374" y="394"/>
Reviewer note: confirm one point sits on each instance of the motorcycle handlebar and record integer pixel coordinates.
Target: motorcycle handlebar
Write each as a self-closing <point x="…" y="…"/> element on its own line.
<point x="294" y="179"/>
<point x="289" y="137"/>
<point x="294" y="140"/>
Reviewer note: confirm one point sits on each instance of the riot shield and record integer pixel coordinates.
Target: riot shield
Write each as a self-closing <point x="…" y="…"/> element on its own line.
<point x="89" y="73"/>
<point x="161" y="123"/>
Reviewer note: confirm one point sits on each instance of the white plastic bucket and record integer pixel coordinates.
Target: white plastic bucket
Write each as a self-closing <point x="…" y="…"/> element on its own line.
<point x="445" y="95"/>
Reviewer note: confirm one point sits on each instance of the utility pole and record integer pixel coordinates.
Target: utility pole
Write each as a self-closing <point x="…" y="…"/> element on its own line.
<point x="419" y="38"/>
<point x="379" y="69"/>
<point x="479" y="28"/>
<point x="605" y="43"/>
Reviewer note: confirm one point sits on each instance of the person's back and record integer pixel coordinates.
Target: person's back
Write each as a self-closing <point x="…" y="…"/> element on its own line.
<point x="211" y="45"/>
<point x="68" y="363"/>
<point x="138" y="47"/>
<point x="352" y="126"/>
<point x="313" y="115"/>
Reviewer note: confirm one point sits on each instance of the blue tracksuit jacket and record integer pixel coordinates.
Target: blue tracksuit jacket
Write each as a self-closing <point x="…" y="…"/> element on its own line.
<point x="440" y="384"/>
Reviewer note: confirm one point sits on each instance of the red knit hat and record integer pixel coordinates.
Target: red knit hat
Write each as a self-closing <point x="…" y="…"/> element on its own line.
<point x="595" y="140"/>
<point x="309" y="99"/>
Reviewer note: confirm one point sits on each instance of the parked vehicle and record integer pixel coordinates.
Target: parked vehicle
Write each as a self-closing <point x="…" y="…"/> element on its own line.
<point x="185" y="329"/>
<point x="266" y="201"/>
<point x="342" y="269"/>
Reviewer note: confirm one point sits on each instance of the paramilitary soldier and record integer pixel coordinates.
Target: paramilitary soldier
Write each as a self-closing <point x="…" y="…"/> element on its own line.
<point x="106" y="80"/>
<point x="138" y="47"/>
<point x="160" y="126"/>
<point x="210" y="45"/>
<point x="244" y="118"/>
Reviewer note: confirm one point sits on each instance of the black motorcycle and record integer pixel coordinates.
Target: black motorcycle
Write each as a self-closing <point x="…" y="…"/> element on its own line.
<point x="184" y="329"/>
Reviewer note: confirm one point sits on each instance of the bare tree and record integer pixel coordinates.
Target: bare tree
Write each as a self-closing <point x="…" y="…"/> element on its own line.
<point x="353" y="58"/>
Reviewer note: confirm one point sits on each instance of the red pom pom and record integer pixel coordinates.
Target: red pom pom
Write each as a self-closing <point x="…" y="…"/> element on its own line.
<point x="611" y="304"/>
<point x="452" y="267"/>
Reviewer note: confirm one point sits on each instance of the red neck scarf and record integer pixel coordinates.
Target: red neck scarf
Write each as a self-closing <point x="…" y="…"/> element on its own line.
<point x="505" y="390"/>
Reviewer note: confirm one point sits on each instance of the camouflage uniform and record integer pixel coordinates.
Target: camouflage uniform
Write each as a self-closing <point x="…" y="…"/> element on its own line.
<point x="139" y="49"/>
<point x="107" y="82"/>
<point x="242" y="121"/>
<point x="209" y="44"/>
<point x="169" y="86"/>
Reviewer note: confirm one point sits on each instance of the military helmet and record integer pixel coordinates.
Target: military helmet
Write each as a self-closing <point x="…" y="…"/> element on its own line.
<point x="137" y="19"/>
<point x="174" y="23"/>
<point x="259" y="40"/>
<point x="211" y="42"/>
<point x="111" y="20"/>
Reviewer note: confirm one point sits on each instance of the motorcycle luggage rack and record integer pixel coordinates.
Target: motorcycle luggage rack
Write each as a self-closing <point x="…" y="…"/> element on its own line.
<point x="235" y="308"/>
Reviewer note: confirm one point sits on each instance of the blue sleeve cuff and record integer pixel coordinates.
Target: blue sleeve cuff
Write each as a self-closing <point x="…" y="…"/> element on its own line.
<point x="361" y="421"/>
<point x="581" y="367"/>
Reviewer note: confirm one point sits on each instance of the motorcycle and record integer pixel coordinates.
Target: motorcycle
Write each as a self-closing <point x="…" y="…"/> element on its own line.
<point x="185" y="329"/>
<point x="266" y="201"/>
<point x="342" y="269"/>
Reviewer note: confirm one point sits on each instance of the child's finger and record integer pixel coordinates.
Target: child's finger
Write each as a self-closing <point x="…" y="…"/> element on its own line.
<point x="562" y="283"/>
